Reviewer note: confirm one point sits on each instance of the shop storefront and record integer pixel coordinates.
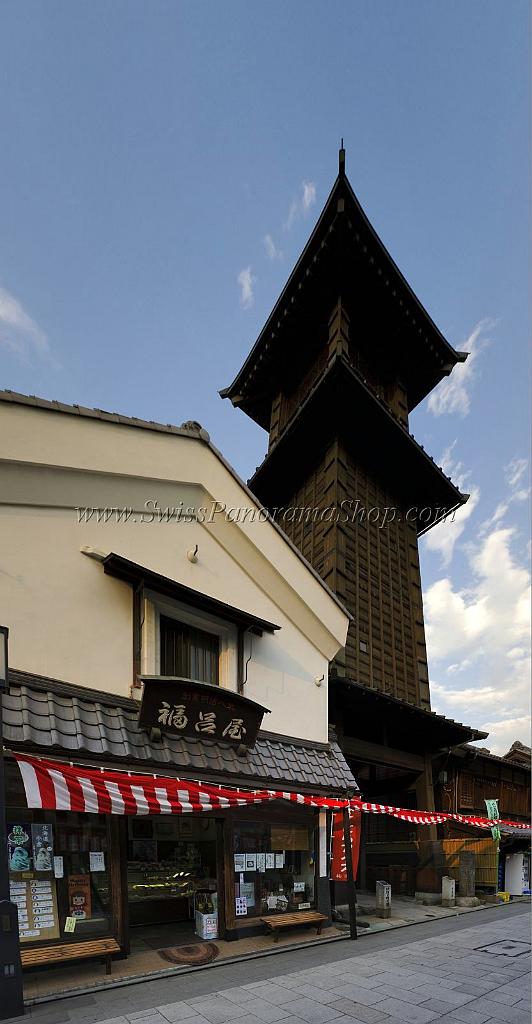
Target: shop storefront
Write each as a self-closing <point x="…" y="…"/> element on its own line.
<point x="143" y="860"/>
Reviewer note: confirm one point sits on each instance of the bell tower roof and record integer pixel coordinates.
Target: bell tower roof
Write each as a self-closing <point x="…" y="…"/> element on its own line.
<point x="344" y="258"/>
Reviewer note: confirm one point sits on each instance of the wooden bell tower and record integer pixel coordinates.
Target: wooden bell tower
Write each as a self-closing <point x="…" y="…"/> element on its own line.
<point x="347" y="352"/>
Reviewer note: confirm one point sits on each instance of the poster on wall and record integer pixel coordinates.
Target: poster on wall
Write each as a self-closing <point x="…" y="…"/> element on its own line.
<point x="247" y="891"/>
<point x="97" y="860"/>
<point x="42" y="841"/>
<point x="79" y="897"/>
<point x="19" y="847"/>
<point x="36" y="902"/>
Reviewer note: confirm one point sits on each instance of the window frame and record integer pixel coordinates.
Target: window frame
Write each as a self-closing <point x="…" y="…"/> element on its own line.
<point x="156" y="605"/>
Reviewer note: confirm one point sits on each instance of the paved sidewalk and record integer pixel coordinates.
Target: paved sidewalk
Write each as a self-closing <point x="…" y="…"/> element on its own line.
<point x="453" y="975"/>
<point x="144" y="961"/>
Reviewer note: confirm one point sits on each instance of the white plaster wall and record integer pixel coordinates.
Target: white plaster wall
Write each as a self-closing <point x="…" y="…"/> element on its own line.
<point x="70" y="621"/>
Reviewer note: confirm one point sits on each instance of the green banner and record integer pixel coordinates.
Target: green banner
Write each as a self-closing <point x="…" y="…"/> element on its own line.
<point x="492" y="811"/>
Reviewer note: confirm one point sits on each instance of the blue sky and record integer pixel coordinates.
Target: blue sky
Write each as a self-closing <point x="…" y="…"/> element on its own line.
<point x="163" y="164"/>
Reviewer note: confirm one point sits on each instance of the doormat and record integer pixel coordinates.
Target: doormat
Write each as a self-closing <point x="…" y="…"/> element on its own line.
<point x="191" y="956"/>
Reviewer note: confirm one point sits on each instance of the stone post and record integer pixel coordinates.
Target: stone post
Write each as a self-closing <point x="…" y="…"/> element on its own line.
<point x="384" y="899"/>
<point x="448" y="892"/>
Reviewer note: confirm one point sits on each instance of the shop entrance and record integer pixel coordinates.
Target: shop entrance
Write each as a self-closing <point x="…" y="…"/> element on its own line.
<point x="171" y="878"/>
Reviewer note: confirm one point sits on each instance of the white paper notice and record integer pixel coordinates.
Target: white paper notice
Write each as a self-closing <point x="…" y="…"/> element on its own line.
<point x="261" y="862"/>
<point x="279" y="860"/>
<point x="248" y="890"/>
<point x="270" y="861"/>
<point x="96" y="861"/>
<point x="58" y="867"/>
<point x="241" y="906"/>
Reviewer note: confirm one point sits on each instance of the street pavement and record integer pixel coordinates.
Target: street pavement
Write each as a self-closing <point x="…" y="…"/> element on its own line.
<point x="447" y="970"/>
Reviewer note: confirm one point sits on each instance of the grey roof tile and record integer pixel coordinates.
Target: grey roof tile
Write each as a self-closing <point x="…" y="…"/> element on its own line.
<point x="42" y="714"/>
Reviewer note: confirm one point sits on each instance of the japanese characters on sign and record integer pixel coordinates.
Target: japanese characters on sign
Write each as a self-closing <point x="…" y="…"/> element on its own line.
<point x="43" y="846"/>
<point x="179" y="706"/>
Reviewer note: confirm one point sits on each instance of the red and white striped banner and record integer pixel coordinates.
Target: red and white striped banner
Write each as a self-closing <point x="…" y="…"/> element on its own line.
<point x="64" y="787"/>
<point x="58" y="786"/>
<point x="435" y="817"/>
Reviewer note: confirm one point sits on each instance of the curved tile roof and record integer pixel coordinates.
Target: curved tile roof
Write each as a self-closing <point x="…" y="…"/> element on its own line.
<point x="43" y="714"/>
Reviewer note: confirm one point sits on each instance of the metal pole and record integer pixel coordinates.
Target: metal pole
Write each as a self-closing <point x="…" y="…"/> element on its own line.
<point x="351" y="890"/>
<point x="12" y="1000"/>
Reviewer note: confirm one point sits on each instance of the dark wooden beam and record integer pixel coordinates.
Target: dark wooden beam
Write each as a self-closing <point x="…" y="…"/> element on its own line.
<point x="363" y="750"/>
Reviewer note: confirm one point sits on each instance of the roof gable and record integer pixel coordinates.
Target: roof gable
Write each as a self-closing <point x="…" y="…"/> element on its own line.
<point x="343" y="250"/>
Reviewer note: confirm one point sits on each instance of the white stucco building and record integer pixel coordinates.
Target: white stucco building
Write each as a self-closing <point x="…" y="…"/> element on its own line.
<point x="134" y="556"/>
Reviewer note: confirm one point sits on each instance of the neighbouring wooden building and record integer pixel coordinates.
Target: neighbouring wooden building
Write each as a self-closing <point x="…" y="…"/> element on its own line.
<point x="468" y="776"/>
<point x="465" y="777"/>
<point x="346" y="354"/>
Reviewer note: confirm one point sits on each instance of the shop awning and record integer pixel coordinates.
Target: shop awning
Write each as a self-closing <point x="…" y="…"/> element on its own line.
<point x="54" y="785"/>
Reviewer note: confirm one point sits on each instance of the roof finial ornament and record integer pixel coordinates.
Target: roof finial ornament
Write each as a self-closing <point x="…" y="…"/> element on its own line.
<point x="341" y="160"/>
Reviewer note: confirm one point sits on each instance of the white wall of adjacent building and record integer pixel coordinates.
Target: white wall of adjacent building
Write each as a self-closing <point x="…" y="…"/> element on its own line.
<point x="69" y="620"/>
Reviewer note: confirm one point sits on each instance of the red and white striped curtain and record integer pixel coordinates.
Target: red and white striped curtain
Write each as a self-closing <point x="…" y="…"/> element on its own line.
<point x="55" y="785"/>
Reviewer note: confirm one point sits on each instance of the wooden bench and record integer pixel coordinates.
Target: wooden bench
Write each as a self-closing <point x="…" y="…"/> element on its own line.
<point x="277" y="921"/>
<point x="96" y="949"/>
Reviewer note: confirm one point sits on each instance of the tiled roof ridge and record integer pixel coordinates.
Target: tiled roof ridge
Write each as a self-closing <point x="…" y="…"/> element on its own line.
<point x="501" y="758"/>
<point x="191" y="428"/>
<point x="87" y="699"/>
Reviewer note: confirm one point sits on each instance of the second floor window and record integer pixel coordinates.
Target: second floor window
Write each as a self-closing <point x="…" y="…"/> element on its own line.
<point x="189" y="652"/>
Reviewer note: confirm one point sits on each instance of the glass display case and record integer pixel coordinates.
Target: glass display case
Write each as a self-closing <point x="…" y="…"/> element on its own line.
<point x="157" y="882"/>
<point x="168" y="862"/>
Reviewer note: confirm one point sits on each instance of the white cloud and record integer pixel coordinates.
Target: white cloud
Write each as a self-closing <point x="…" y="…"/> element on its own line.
<point x="513" y="475"/>
<point x="459" y="666"/>
<point x="514" y="472"/>
<point x="443" y="537"/>
<point x="301" y="205"/>
<point x="309" y="195"/>
<point x="484" y="628"/>
<point x="502" y="734"/>
<point x="494" y="612"/>
<point x="246" y="280"/>
<point x="452" y="395"/>
<point x="272" y="252"/>
<point x="20" y="334"/>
